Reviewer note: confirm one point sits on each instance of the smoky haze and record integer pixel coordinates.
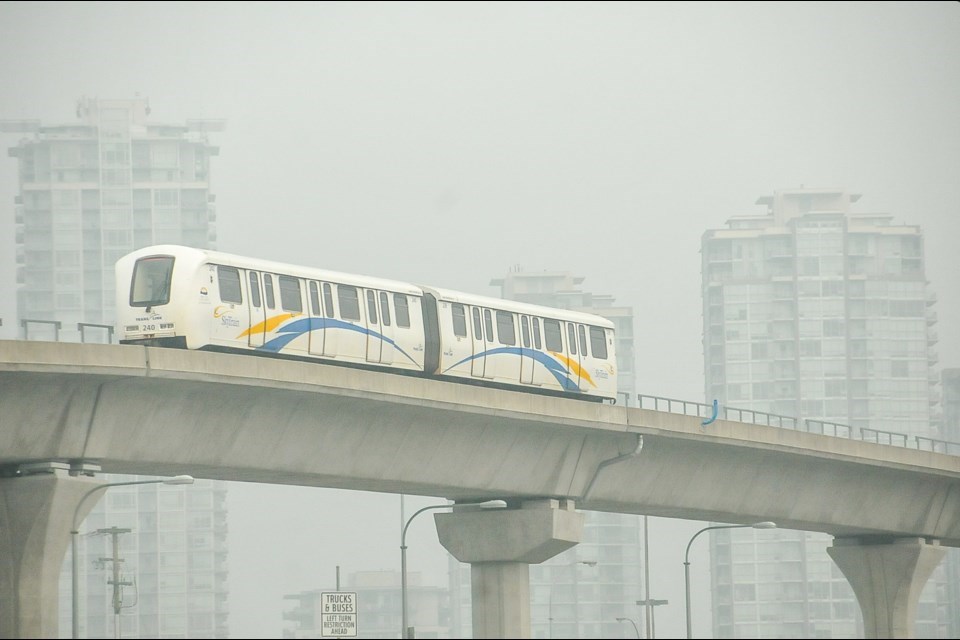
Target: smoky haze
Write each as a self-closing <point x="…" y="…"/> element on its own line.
<point x="446" y="143"/>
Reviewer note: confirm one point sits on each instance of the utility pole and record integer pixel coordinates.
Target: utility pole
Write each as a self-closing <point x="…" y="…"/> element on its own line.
<point x="117" y="583"/>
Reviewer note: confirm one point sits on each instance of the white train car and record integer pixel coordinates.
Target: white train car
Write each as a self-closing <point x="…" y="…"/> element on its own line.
<point x="513" y="343"/>
<point x="180" y="297"/>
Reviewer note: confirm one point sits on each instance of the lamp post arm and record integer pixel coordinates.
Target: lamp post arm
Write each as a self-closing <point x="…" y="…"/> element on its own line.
<point x="686" y="556"/>
<point x="76" y="511"/>
<point x="403" y="535"/>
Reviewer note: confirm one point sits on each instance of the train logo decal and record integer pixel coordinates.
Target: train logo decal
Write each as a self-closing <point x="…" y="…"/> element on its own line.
<point x="554" y="365"/>
<point x="294" y="330"/>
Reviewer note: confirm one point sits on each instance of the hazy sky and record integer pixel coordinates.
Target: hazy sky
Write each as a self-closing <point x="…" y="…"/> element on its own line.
<point x="444" y="143"/>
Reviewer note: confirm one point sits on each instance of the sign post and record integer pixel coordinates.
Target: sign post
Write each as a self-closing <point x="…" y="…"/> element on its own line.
<point x="338" y="614"/>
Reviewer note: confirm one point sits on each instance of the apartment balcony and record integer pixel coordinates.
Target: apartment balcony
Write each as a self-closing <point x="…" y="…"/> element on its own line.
<point x="932" y="337"/>
<point x="931" y="317"/>
<point x="931" y="299"/>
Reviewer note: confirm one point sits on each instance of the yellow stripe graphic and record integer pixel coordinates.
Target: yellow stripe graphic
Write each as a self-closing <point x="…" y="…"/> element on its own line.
<point x="269" y="324"/>
<point x="574" y="367"/>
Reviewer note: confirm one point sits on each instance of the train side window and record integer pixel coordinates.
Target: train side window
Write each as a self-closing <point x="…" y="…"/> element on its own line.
<point x="582" y="333"/>
<point x="488" y="325"/>
<point x="505" y="329"/>
<point x="254" y="289"/>
<point x="552" y="335"/>
<point x="525" y="331"/>
<point x="268" y="290"/>
<point x="459" y="320"/>
<point x="349" y="302"/>
<point x="372" y="306"/>
<point x="403" y="310"/>
<point x="477" y="325"/>
<point x="328" y="300"/>
<point x="229" y="280"/>
<point x="315" y="300"/>
<point x="536" y="332"/>
<point x="385" y="309"/>
<point x="598" y="343"/>
<point x="290" y="294"/>
<point x="572" y="338"/>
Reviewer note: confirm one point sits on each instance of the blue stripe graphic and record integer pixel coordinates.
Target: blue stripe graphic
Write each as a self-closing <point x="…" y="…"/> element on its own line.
<point x="558" y="370"/>
<point x="293" y="330"/>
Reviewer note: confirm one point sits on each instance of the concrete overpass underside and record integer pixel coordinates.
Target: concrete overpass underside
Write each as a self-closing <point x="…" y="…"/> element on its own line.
<point x="166" y="412"/>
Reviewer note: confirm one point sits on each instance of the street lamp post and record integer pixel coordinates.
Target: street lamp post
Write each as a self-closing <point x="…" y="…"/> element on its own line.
<point x="650" y="604"/>
<point x="75" y="572"/>
<point x="686" y="557"/>
<point x="630" y="620"/>
<point x="488" y="504"/>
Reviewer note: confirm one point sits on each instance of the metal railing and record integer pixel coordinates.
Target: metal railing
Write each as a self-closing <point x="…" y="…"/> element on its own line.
<point x="56" y="327"/>
<point x="54" y="323"/>
<point x="822" y="427"/>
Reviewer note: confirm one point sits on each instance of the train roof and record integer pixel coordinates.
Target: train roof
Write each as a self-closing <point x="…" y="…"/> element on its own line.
<point x="519" y="307"/>
<point x="284" y="268"/>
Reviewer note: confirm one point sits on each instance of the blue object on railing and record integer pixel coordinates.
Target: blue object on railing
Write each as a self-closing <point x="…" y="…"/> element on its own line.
<point x="716" y="411"/>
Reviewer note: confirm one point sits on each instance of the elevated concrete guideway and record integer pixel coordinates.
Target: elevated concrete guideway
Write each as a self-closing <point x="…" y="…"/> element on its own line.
<point x="165" y="412"/>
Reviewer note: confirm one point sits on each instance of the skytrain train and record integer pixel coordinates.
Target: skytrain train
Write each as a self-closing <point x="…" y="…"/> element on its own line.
<point x="180" y="297"/>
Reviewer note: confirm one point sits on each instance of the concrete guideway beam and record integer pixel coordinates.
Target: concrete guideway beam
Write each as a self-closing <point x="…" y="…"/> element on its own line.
<point x="500" y="546"/>
<point x="36" y="513"/>
<point x="887" y="575"/>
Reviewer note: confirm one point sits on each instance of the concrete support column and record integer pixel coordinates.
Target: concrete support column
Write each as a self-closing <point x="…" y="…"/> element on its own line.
<point x="887" y="574"/>
<point x="500" y="545"/>
<point x="36" y="513"/>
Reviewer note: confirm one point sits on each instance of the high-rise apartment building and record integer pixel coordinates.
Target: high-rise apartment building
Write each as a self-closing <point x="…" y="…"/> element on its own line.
<point x="581" y="592"/>
<point x="91" y="191"/>
<point x="811" y="310"/>
<point x="94" y="190"/>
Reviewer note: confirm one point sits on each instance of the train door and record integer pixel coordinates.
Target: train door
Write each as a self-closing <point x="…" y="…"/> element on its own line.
<point x="573" y="353"/>
<point x="553" y="344"/>
<point x="489" y="366"/>
<point x="374" y="341"/>
<point x="352" y="339"/>
<point x="479" y="346"/>
<point x="526" y="353"/>
<point x="386" y="328"/>
<point x="229" y="316"/>
<point x="317" y="329"/>
<point x="584" y="356"/>
<point x="330" y="332"/>
<point x="258" y="315"/>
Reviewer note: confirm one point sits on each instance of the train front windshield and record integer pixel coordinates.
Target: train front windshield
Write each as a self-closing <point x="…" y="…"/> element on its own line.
<point x="151" y="281"/>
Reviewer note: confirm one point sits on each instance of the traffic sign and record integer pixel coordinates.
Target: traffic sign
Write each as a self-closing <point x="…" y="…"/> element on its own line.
<point x="338" y="614"/>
